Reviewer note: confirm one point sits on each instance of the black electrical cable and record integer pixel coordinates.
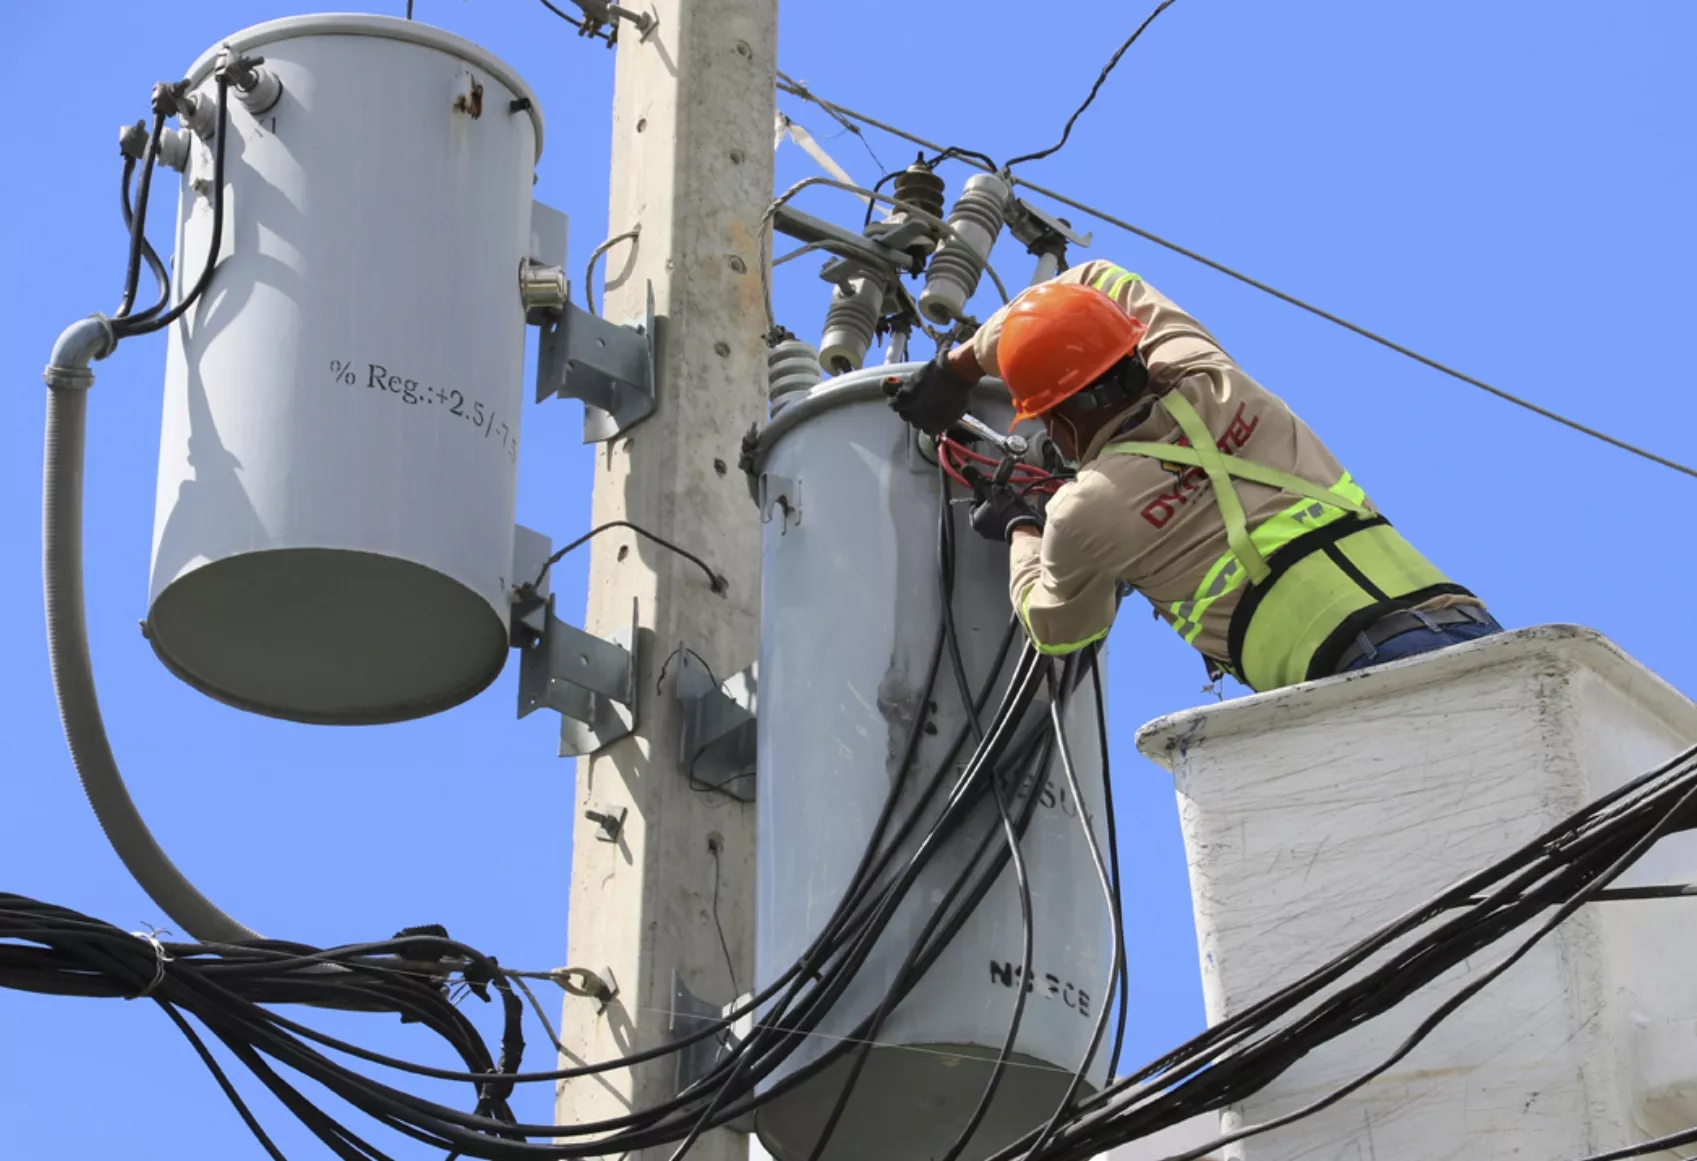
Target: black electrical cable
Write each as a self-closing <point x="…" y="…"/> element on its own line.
<point x="223" y="1080"/>
<point x="1124" y="983"/>
<point x="724" y="944"/>
<point x="828" y="991"/>
<point x="132" y="266"/>
<point x="924" y="951"/>
<point x="582" y="28"/>
<point x="1059" y="697"/>
<point x="865" y="871"/>
<point x="161" y="277"/>
<point x="1005" y="647"/>
<point x="1022" y="882"/>
<point x="716" y="581"/>
<point x="819" y="1003"/>
<point x="878" y="187"/>
<point x="1547" y="870"/>
<point x="994" y="741"/>
<point x="936" y="159"/>
<point x="125" y="328"/>
<point x="1101" y="79"/>
<point x="948" y="929"/>
<point x="225" y="988"/>
<point x="1645" y="1148"/>
<point x="1100" y="1139"/>
<point x="1473" y="988"/>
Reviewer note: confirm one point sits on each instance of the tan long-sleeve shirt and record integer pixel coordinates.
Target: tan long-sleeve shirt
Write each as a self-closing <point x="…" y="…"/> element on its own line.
<point x="1154" y="526"/>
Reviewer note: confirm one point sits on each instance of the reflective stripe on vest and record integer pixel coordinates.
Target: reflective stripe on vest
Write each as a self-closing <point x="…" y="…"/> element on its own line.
<point x="1326" y="588"/>
<point x="1354" y="566"/>
<point x="1113" y="280"/>
<point x="1269" y="536"/>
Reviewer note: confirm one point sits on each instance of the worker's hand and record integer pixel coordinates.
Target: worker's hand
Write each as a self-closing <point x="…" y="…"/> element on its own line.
<point x="1001" y="511"/>
<point x="932" y="398"/>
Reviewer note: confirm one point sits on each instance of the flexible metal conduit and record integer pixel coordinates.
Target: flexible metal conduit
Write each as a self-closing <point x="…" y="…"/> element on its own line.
<point x="68" y="379"/>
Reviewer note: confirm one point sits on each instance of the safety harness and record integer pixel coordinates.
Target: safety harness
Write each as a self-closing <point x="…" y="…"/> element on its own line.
<point x="1319" y="571"/>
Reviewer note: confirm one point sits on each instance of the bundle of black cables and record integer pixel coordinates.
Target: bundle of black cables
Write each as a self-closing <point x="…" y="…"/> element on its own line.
<point x="965" y="807"/>
<point x="229" y="990"/>
<point x="126" y="321"/>
<point x="982" y="806"/>
<point x="1544" y="882"/>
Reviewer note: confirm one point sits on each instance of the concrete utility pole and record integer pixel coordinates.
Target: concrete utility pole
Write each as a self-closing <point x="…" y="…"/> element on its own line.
<point x="692" y="165"/>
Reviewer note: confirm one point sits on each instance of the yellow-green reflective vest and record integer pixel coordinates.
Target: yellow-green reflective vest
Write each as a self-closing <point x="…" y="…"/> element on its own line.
<point x="1318" y="571"/>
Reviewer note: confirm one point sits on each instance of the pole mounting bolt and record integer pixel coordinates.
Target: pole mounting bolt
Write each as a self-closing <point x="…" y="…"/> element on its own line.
<point x="610" y="822"/>
<point x="585" y="983"/>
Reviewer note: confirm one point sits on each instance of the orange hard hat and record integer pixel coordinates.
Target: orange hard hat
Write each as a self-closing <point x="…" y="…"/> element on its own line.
<point x="1059" y="338"/>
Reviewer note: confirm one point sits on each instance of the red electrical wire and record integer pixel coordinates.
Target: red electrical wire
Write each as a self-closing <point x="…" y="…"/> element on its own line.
<point x="1025" y="477"/>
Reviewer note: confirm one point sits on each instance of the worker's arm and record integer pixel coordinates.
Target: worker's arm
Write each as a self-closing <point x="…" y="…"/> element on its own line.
<point x="1063" y="581"/>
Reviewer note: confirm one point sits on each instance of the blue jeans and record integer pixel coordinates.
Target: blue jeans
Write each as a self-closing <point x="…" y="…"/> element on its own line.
<point x="1423" y="640"/>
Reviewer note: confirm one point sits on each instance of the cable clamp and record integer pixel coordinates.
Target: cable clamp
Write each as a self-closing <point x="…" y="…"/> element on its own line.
<point x="160" y="958"/>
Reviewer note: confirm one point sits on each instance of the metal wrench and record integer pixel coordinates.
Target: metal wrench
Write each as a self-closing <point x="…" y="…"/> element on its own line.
<point x="1012" y="446"/>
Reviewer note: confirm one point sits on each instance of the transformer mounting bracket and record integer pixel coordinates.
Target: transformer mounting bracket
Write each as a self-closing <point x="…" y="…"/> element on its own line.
<point x="610" y="368"/>
<point x="717" y="747"/>
<point x="774" y="493"/>
<point x="591" y="683"/>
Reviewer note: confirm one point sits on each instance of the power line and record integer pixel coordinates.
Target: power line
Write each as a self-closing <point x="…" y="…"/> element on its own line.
<point x="1109" y="219"/>
<point x="848" y="125"/>
<point x="1102" y="77"/>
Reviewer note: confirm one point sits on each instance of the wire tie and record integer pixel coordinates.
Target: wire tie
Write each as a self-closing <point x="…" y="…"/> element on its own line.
<point x="161" y="958"/>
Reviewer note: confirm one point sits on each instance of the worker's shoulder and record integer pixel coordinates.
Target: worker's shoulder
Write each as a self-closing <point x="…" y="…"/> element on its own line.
<point x="1089" y="272"/>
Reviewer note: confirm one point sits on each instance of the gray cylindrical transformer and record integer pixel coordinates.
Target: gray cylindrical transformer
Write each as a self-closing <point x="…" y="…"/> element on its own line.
<point x="958" y="264"/>
<point x="850" y="610"/>
<point x="333" y="538"/>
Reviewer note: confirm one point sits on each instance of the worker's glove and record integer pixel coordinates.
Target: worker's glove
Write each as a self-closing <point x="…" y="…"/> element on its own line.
<point x="1000" y="511"/>
<point x="932" y="398"/>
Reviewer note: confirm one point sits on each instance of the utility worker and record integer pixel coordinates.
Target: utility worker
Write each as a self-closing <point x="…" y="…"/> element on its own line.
<point x="1196" y="486"/>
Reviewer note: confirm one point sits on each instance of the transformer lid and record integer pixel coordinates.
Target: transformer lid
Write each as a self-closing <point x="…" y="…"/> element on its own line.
<point x="328" y="636"/>
<point x="382" y="27"/>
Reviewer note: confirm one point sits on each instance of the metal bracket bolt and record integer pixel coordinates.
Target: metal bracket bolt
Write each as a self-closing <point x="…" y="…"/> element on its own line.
<point x="610" y="823"/>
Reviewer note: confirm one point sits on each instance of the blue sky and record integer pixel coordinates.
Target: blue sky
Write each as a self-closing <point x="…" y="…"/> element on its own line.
<point x="1506" y="187"/>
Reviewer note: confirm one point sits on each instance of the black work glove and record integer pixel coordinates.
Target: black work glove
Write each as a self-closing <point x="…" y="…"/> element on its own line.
<point x="932" y="398"/>
<point x="1001" y="511"/>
